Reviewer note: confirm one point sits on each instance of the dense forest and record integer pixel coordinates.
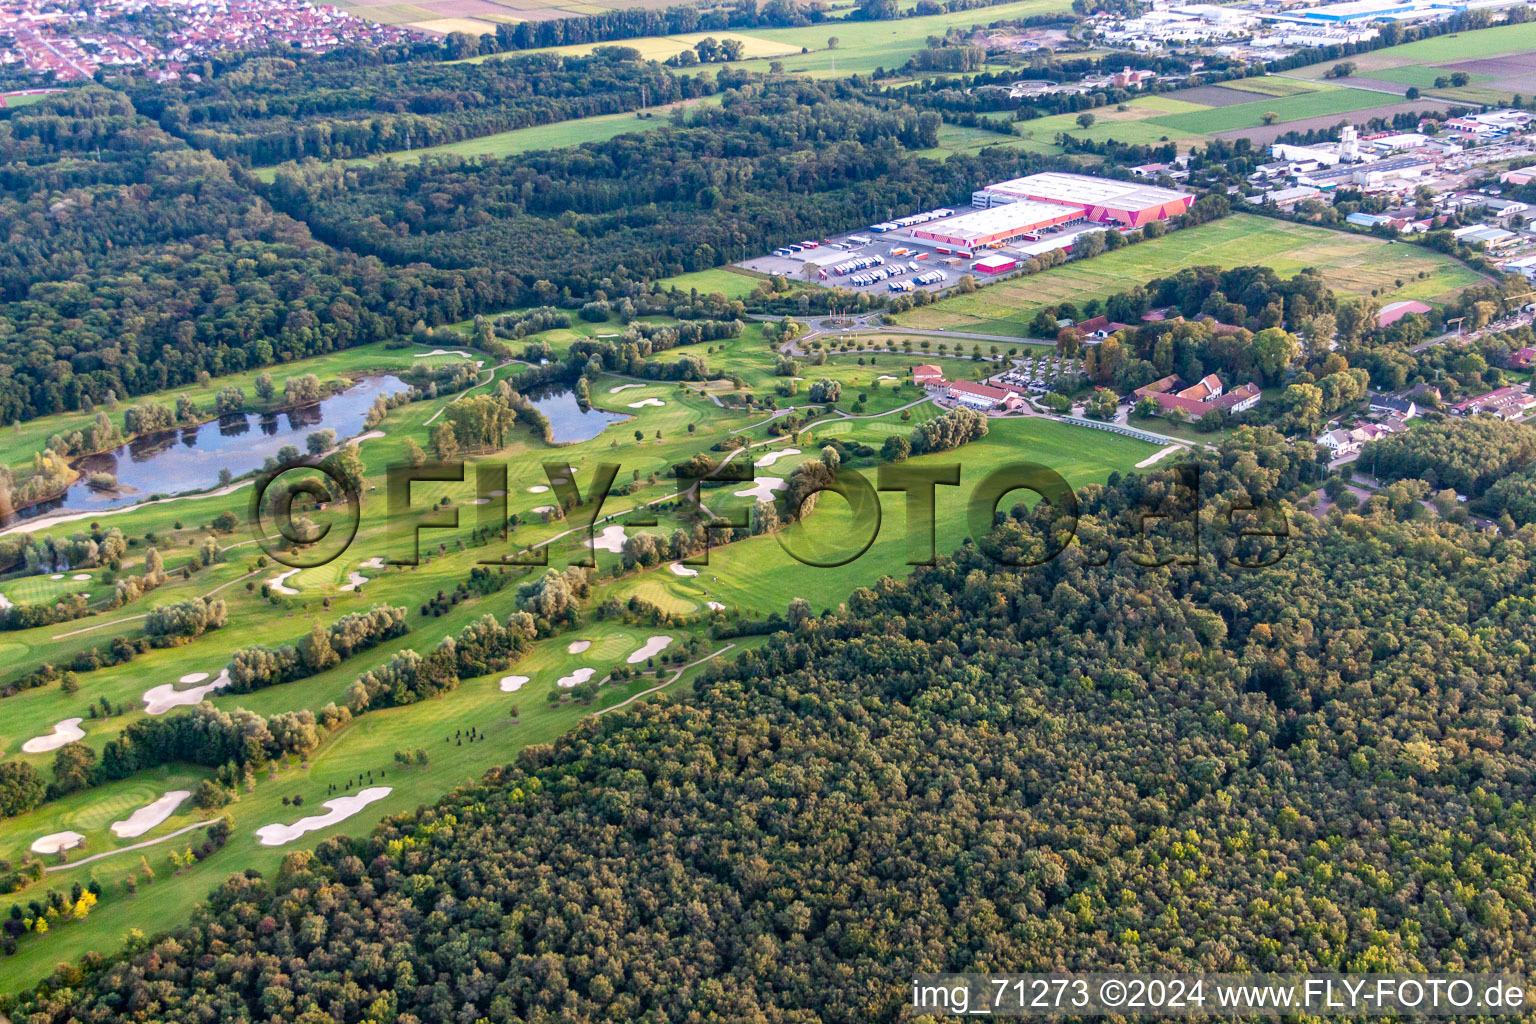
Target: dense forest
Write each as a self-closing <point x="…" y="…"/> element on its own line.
<point x="135" y="263"/>
<point x="779" y="160"/>
<point x="267" y="110"/>
<point x="1321" y="765"/>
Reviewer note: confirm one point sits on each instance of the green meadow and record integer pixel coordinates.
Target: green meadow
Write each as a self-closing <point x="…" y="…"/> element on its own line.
<point x="1353" y="264"/>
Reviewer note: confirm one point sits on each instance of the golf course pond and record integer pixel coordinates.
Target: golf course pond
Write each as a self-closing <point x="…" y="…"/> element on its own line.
<point x="176" y="461"/>
<point x="568" y="422"/>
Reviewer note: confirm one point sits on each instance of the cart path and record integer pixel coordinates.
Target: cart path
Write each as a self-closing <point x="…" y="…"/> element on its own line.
<point x="660" y="686"/>
<point x="136" y="846"/>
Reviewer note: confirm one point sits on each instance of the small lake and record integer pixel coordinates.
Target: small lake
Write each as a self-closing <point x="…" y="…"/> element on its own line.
<point x="190" y="459"/>
<point x="568" y="422"/>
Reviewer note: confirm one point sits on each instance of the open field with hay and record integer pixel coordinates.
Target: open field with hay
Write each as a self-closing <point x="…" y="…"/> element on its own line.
<point x="1353" y="264"/>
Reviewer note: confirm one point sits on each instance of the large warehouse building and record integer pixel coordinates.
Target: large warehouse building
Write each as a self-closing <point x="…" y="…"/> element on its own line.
<point x="998" y="224"/>
<point x="1128" y="204"/>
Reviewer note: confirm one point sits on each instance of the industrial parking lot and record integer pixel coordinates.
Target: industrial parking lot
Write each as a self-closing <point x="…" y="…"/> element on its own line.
<point x="896" y="250"/>
<point x="1005" y="224"/>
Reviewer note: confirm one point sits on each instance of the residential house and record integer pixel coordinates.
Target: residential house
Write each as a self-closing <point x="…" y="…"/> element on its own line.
<point x="1400" y="408"/>
<point x="1339" y="441"/>
<point x="1206" y="395"/>
<point x="1511" y="403"/>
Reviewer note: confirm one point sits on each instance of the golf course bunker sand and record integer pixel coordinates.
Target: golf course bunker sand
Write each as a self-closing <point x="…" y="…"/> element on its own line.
<point x="623" y="387"/>
<point x="442" y="352"/>
<point x="57" y="576"/>
<point x="160" y="699"/>
<point x="886" y="376"/>
<point x="277" y="585"/>
<point x="1144" y="463"/>
<point x="611" y="539"/>
<point x="543" y="508"/>
<point x="193" y="677"/>
<point x="354" y="580"/>
<point x="57" y="841"/>
<point x="66" y="731"/>
<point x="511" y="684"/>
<point x="150" y="815"/>
<point x="654" y="646"/>
<point x="538" y="489"/>
<point x="715" y="606"/>
<point x="679" y="569"/>
<point x="772" y="457"/>
<point x="763" y="489"/>
<point x="576" y="678"/>
<point x="577" y="646"/>
<point x="645" y="402"/>
<point x="376" y="562"/>
<point x="77" y="577"/>
<point x="341" y="809"/>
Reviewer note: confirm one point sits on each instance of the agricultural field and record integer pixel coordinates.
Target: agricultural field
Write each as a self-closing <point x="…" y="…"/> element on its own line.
<point x="1500" y="62"/>
<point x="1186" y="117"/>
<point x="661" y="47"/>
<point x="653" y="425"/>
<point x="479" y="16"/>
<point x="1318" y="103"/>
<point x="861" y="46"/>
<point x="1353" y="264"/>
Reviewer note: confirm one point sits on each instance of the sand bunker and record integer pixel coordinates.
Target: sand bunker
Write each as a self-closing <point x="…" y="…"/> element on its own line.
<point x="276" y="582"/>
<point x="480" y="501"/>
<point x="886" y="376"/>
<point x="645" y="402"/>
<point x="193" y="677"/>
<point x="354" y="580"/>
<point x="1144" y="463"/>
<point x="623" y="387"/>
<point x="57" y="841"/>
<point x="150" y="815"/>
<point x="577" y="646"/>
<point x="341" y="809"/>
<point x="442" y="352"/>
<point x="654" y="646"/>
<point x="376" y="562"/>
<point x="611" y="539"/>
<point x="57" y="576"/>
<point x="498" y="493"/>
<point x="66" y="731"/>
<point x="538" y="489"/>
<point x="763" y="489"/>
<point x="77" y="577"/>
<point x="543" y="508"/>
<point x="772" y="457"/>
<point x="679" y="569"/>
<point x="576" y="678"/>
<point x="511" y="684"/>
<point x="715" y="606"/>
<point x="160" y="699"/>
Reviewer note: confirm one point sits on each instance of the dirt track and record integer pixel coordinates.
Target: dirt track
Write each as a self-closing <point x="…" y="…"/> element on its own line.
<point x="1265" y="134"/>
